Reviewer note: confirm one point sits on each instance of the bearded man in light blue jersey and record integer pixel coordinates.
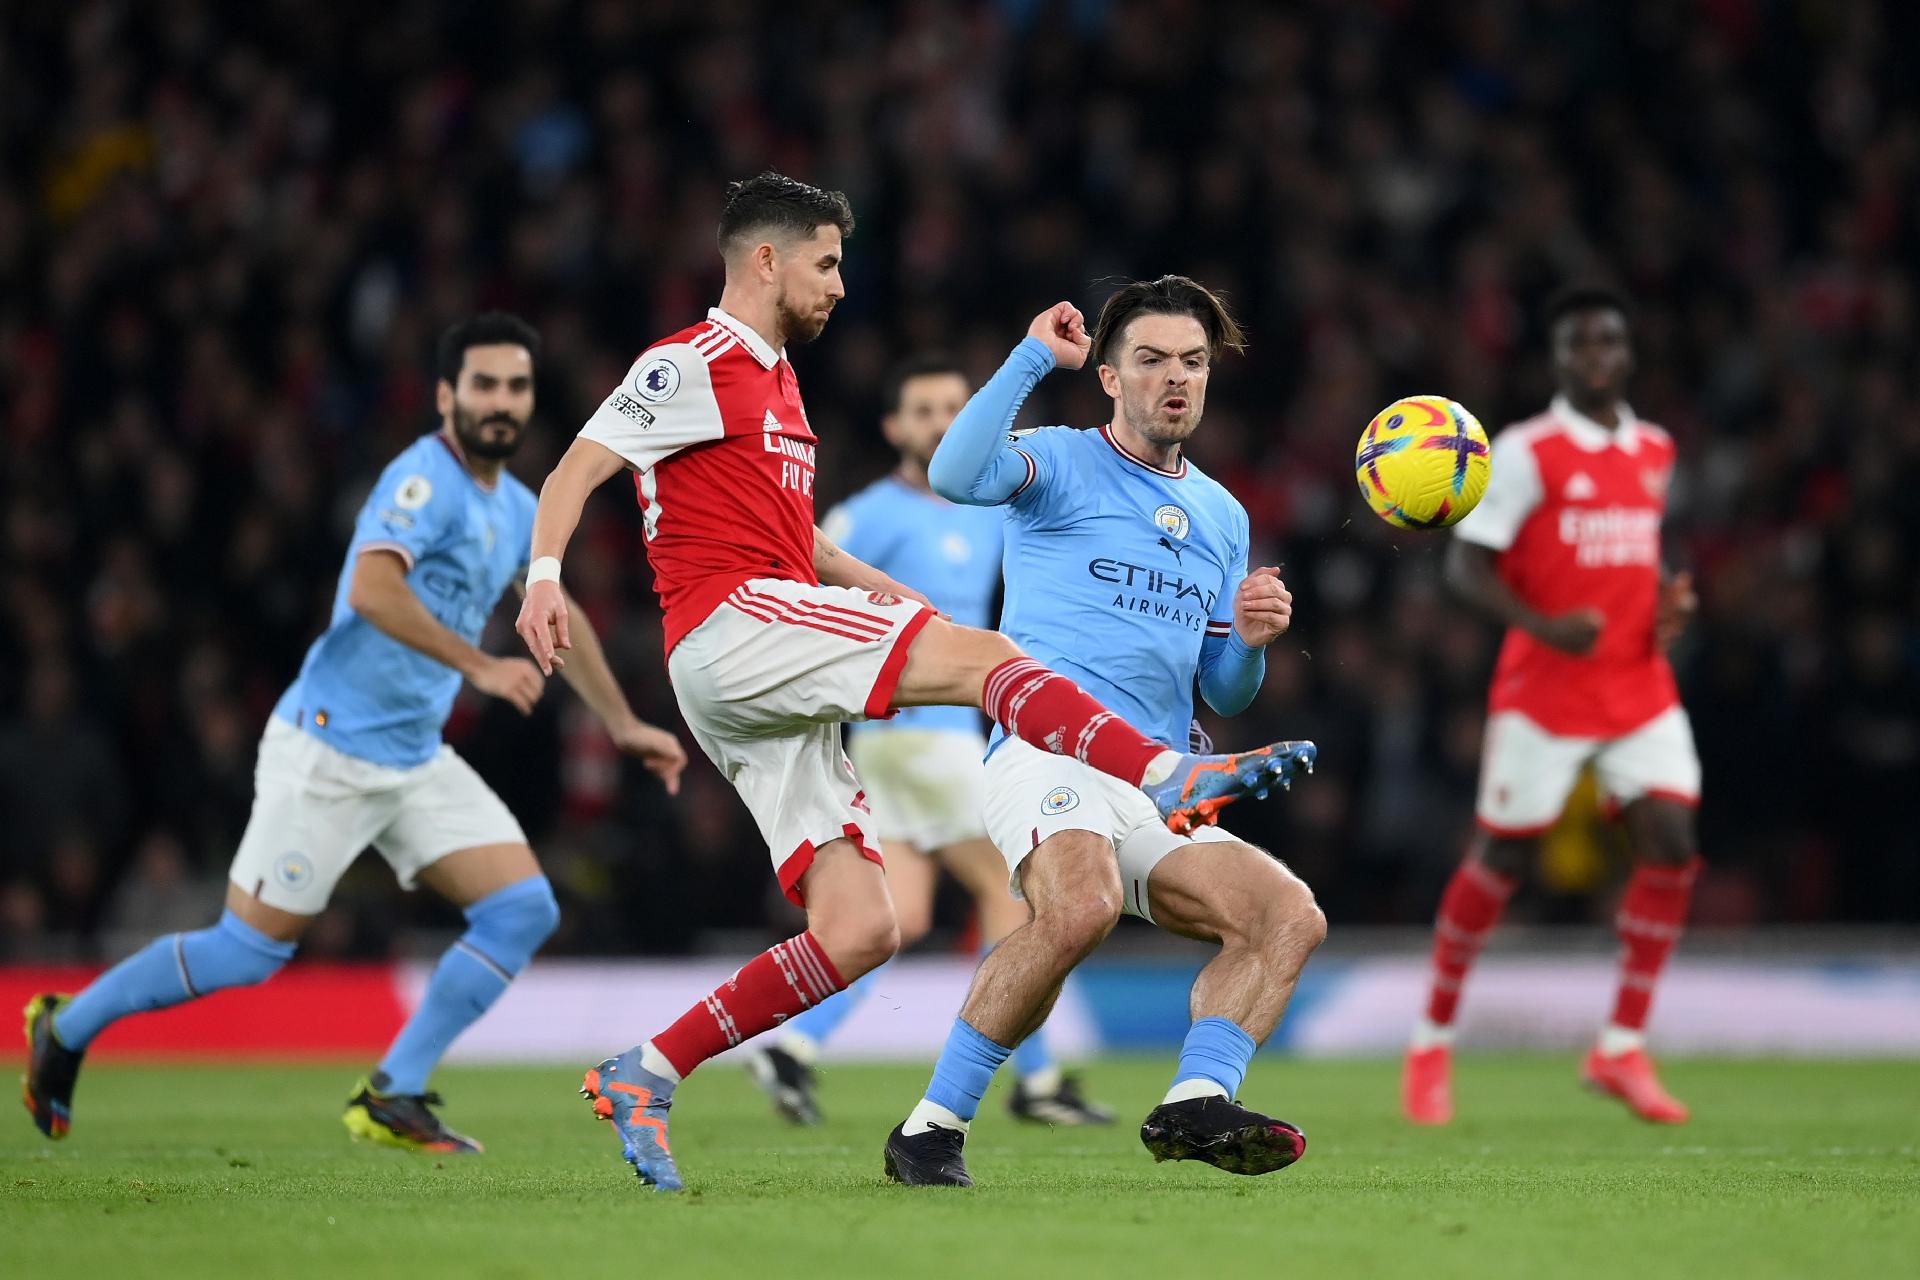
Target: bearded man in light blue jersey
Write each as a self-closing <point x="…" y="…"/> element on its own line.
<point x="1126" y="570"/>
<point x="922" y="768"/>
<point x="352" y="757"/>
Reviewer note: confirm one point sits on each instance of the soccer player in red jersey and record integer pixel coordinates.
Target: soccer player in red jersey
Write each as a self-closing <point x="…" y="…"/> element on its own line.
<point x="775" y="637"/>
<point x="1565" y="551"/>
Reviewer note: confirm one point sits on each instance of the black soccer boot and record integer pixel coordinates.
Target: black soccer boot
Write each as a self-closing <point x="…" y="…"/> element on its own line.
<point x="1223" y="1134"/>
<point x="929" y="1159"/>
<point x="52" y="1069"/>
<point x="787" y="1081"/>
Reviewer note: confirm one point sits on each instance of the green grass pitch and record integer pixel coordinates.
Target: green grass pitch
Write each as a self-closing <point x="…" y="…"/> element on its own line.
<point x="1789" y="1169"/>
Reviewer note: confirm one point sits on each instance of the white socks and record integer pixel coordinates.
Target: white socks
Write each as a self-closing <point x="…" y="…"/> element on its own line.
<point x="1194" y="1087"/>
<point x="1043" y="1083"/>
<point x="653" y="1060"/>
<point x="1615" y="1041"/>
<point x="928" y="1115"/>
<point x="804" y="1048"/>
<point x="1160" y="768"/>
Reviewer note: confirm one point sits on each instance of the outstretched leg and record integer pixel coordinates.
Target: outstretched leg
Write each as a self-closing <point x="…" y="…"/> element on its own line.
<point x="950" y="665"/>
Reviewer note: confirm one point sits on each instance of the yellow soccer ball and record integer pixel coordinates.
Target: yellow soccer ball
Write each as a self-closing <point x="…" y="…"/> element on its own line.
<point x="1422" y="463"/>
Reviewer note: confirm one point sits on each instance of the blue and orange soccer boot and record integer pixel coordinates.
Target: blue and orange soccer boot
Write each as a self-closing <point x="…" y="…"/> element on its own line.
<point x="52" y="1069"/>
<point x="635" y="1101"/>
<point x="1201" y="786"/>
<point x="403" y="1120"/>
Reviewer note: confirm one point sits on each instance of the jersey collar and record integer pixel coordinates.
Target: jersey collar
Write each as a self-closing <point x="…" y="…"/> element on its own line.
<point x="1591" y="435"/>
<point x="460" y="457"/>
<point x="753" y="342"/>
<point x="1106" y="433"/>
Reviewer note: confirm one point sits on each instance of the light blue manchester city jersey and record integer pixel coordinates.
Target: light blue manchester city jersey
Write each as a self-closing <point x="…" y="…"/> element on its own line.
<point x="1117" y="572"/>
<point x="947" y="551"/>
<point x="363" y="692"/>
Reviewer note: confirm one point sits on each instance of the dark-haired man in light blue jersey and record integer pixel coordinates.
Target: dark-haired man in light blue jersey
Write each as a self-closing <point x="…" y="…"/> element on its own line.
<point x="352" y="757"/>
<point x="1126" y="570"/>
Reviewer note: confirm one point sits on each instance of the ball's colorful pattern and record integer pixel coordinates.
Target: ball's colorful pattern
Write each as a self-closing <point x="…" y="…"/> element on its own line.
<point x="1423" y="462"/>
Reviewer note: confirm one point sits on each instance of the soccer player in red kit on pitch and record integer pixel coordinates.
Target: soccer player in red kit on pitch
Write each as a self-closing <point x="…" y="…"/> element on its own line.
<point x="775" y="637"/>
<point x="1565" y="551"/>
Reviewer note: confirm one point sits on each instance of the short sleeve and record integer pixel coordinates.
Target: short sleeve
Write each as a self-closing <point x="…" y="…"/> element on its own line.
<point x="1220" y="620"/>
<point x="409" y="511"/>
<point x="665" y="404"/>
<point x="1513" y="491"/>
<point x="1040" y="448"/>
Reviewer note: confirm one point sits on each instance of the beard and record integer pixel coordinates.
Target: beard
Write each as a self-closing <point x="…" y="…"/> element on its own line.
<point x="1147" y="419"/>
<point x="799" y="327"/>
<point x="478" y="440"/>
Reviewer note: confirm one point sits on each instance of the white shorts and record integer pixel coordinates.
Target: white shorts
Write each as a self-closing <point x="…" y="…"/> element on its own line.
<point x="315" y="809"/>
<point x="1032" y="795"/>
<point x="765" y="683"/>
<point x="925" y="785"/>
<point x="1526" y="773"/>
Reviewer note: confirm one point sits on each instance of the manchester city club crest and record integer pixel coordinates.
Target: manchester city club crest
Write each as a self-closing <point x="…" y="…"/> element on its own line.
<point x="293" y="870"/>
<point x="1172" y="521"/>
<point x="1059" y="800"/>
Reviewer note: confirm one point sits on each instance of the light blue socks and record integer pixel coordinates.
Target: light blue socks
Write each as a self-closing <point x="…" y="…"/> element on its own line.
<point x="1213" y="1060"/>
<point x="504" y="929"/>
<point x="960" y="1080"/>
<point x="170" y="971"/>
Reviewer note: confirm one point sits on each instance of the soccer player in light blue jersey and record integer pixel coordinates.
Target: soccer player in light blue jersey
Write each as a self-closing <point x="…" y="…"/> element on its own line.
<point x="1126" y="570"/>
<point x="352" y="757"/>
<point x="922" y="768"/>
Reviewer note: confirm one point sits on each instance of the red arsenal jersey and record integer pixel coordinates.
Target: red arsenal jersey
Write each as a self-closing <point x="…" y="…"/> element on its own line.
<point x="1574" y="511"/>
<point x="711" y="421"/>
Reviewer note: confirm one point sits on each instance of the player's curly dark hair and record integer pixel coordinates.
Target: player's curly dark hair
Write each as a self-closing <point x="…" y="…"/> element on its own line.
<point x="489" y="328"/>
<point x="1585" y="296"/>
<point x="774" y="202"/>
<point x="1167" y="296"/>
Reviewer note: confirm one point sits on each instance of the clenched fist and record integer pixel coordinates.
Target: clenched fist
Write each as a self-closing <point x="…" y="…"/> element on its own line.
<point x="1262" y="607"/>
<point x="1064" y="330"/>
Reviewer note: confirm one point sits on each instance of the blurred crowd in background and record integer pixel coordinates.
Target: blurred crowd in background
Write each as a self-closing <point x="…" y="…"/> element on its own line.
<point x="230" y="232"/>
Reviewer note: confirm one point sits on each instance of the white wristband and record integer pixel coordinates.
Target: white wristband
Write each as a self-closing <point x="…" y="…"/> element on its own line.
<point x="545" y="569"/>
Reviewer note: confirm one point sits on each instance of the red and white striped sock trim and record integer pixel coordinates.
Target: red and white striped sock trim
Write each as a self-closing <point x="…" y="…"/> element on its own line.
<point x="1085" y="740"/>
<point x="723" y="1019"/>
<point x="806" y="968"/>
<point x="1009" y="688"/>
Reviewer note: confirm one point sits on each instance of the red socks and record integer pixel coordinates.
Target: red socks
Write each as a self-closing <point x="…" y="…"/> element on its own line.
<point x="1652" y="913"/>
<point x="769" y="989"/>
<point x="1053" y="713"/>
<point x="1468" y="911"/>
